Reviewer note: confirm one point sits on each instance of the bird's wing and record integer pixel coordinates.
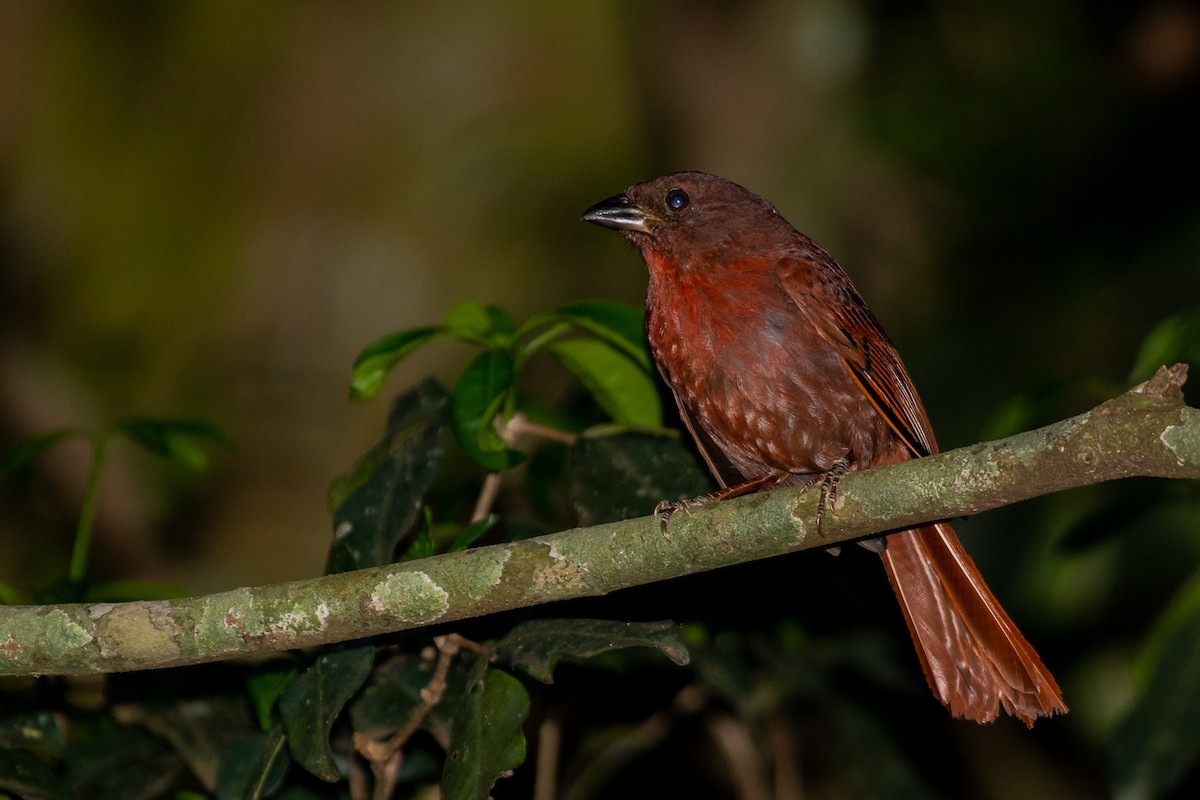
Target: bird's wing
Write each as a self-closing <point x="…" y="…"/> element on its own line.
<point x="721" y="467"/>
<point x="829" y="301"/>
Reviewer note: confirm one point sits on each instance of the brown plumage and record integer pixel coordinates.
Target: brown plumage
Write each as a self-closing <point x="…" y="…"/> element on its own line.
<point x="783" y="375"/>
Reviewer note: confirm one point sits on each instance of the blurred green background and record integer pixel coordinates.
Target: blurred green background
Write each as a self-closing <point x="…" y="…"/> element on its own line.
<point x="208" y="209"/>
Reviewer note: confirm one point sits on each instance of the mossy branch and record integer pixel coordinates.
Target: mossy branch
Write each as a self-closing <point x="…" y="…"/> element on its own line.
<point x="1148" y="431"/>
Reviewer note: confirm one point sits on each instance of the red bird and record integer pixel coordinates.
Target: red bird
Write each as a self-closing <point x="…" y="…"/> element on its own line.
<point x="783" y="375"/>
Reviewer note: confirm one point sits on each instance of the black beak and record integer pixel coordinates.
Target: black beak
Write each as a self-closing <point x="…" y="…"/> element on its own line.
<point x="618" y="213"/>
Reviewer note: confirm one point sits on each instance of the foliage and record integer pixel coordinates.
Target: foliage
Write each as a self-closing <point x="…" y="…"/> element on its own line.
<point x="401" y="707"/>
<point x="779" y="694"/>
<point x="614" y="367"/>
<point x="180" y="442"/>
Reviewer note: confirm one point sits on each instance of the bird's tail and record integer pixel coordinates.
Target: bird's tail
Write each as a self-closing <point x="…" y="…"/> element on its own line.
<point x="975" y="659"/>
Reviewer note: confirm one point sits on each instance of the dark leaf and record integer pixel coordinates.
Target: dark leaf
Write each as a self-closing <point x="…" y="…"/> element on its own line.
<point x="27" y="450"/>
<point x="129" y="764"/>
<point x="377" y="359"/>
<point x="1044" y="404"/>
<point x="199" y="729"/>
<point x="474" y="404"/>
<point x="391" y="695"/>
<point x="622" y="388"/>
<point x="1159" y="741"/>
<point x="254" y="767"/>
<point x="24" y="775"/>
<point x="623" y="475"/>
<point x="486" y="739"/>
<point x="37" y="731"/>
<point x="313" y="701"/>
<point x="180" y="441"/>
<point x="874" y="761"/>
<point x="1114" y="515"/>
<point x="536" y="646"/>
<point x="297" y="792"/>
<point x="547" y="480"/>
<point x="376" y="503"/>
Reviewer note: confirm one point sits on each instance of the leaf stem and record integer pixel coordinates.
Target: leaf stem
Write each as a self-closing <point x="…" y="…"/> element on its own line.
<point x="539" y="341"/>
<point x="87" y="513"/>
<point x="520" y="425"/>
<point x="487" y="497"/>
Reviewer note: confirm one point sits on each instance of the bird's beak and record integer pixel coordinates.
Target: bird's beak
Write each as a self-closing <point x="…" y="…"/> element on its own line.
<point x="619" y="213"/>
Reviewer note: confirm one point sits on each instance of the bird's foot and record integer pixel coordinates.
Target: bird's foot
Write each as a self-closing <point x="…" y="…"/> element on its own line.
<point x="667" y="508"/>
<point x="829" y="489"/>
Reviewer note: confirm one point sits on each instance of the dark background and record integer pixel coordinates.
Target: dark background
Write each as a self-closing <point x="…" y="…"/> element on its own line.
<point x="208" y="209"/>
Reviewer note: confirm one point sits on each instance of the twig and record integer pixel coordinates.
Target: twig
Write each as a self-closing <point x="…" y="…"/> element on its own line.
<point x="545" y="780"/>
<point x="737" y="745"/>
<point x="785" y="753"/>
<point x="385" y="756"/>
<point x="653" y="731"/>
<point x="513" y="431"/>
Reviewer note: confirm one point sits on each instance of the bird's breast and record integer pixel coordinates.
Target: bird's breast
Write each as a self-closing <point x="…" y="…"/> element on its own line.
<point x="756" y="375"/>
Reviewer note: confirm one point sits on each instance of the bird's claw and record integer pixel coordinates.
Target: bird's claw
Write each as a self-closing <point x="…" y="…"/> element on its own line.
<point x="829" y="489"/>
<point x="663" y="513"/>
<point x="667" y="508"/>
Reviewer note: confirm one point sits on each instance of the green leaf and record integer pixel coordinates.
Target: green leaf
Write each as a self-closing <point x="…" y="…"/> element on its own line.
<point x="422" y="546"/>
<point x="8" y="595"/>
<point x="622" y="388"/>
<point x="266" y="685"/>
<point x="376" y="503"/>
<point x="617" y="323"/>
<point x="486" y="739"/>
<point x="377" y="359"/>
<point x="1043" y="404"/>
<point x="254" y="767"/>
<point x="1175" y="339"/>
<point x="474" y="322"/>
<point x="537" y="646"/>
<point x="474" y="404"/>
<point x="1159" y="741"/>
<point x="472" y="532"/>
<point x="1181" y="612"/>
<point x="501" y="322"/>
<point x="28" y="449"/>
<point x="179" y="441"/>
<point x="623" y="475"/>
<point x="133" y="589"/>
<point x="313" y="701"/>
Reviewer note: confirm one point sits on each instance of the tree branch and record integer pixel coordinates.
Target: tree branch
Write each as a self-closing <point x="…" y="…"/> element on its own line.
<point x="1147" y="431"/>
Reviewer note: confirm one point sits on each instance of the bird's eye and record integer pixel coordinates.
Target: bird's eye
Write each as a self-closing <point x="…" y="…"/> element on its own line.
<point x="677" y="199"/>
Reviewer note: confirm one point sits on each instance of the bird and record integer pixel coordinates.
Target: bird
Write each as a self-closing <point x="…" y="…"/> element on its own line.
<point x="783" y="376"/>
